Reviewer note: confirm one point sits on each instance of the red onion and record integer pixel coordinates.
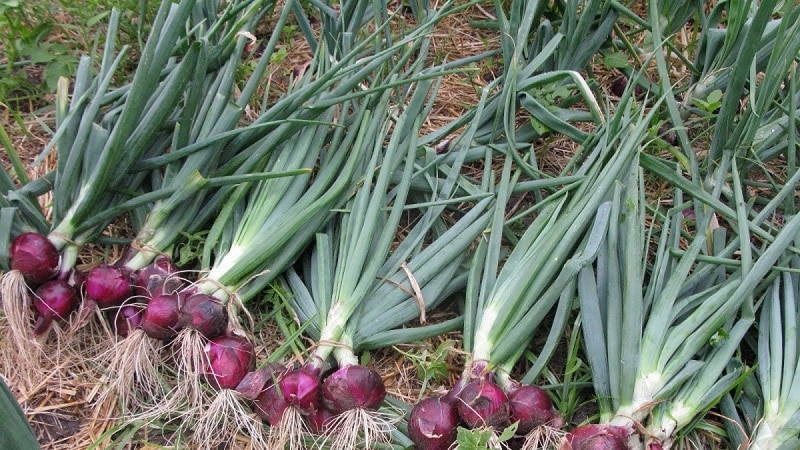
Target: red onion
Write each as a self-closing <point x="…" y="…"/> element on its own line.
<point x="353" y="387"/>
<point x="205" y="314"/>
<point x="161" y="319"/>
<point x="299" y="389"/>
<point x="532" y="407"/>
<point x="596" y="437"/>
<point x="35" y="257"/>
<point x="230" y="358"/>
<point x="127" y="318"/>
<point x="433" y="424"/>
<point x="483" y="403"/>
<point x="54" y="300"/>
<point x="271" y="405"/>
<point x="108" y="286"/>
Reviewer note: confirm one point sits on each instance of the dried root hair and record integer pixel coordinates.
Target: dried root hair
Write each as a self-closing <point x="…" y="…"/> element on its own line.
<point x="191" y="360"/>
<point x="131" y="374"/>
<point x="224" y="419"/>
<point x="543" y="437"/>
<point x="291" y="432"/>
<point x="357" y="428"/>
<point x="18" y="313"/>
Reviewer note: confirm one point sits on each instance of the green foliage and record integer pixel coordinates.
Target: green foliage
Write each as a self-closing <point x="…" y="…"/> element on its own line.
<point x="483" y="438"/>
<point x="430" y="363"/>
<point x="42" y="41"/>
<point x="15" y="431"/>
<point x="711" y="103"/>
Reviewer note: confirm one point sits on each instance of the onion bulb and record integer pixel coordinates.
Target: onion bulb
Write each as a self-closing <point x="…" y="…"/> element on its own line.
<point x="483" y="403"/>
<point x="35" y="257"/>
<point x="353" y="387"/>
<point x="108" y="286"/>
<point x="433" y="424"/>
<point x="532" y="407"/>
<point x="596" y="437"/>
<point x="205" y="314"/>
<point x="230" y="358"/>
<point x="161" y="319"/>
<point x="53" y="300"/>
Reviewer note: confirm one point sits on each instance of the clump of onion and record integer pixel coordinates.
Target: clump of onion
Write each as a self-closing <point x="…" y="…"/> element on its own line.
<point x="482" y="403"/>
<point x="353" y="387"/>
<point x="53" y="300"/>
<point x="531" y="407"/>
<point x="35" y="257"/>
<point x="108" y="286"/>
<point x="433" y="424"/>
<point x="162" y="319"/>
<point x="230" y="358"/>
<point x="596" y="437"/>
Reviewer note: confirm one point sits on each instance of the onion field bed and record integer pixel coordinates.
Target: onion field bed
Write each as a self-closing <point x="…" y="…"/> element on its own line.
<point x="400" y="224"/>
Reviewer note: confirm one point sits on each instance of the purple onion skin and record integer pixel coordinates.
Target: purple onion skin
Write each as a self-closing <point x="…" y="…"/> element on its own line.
<point x="353" y="387"/>
<point x="270" y="405"/>
<point x="257" y="381"/>
<point x="301" y="390"/>
<point x="127" y="318"/>
<point x="161" y="319"/>
<point x="596" y="437"/>
<point x="108" y="286"/>
<point x="319" y="420"/>
<point x="230" y="358"/>
<point x="157" y="277"/>
<point x="532" y="407"/>
<point x="205" y="314"/>
<point x="54" y="300"/>
<point x="433" y="424"/>
<point x="483" y="403"/>
<point x="35" y="257"/>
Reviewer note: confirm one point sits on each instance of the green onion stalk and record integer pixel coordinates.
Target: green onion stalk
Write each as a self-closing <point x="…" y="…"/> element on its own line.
<point x="660" y="346"/>
<point x="778" y="368"/>
<point x="504" y="306"/>
<point x="728" y="60"/>
<point x="388" y="292"/>
<point x="16" y="430"/>
<point x="752" y="35"/>
<point x="542" y="61"/>
<point x="345" y="262"/>
<point x="171" y="211"/>
<point x="262" y="227"/>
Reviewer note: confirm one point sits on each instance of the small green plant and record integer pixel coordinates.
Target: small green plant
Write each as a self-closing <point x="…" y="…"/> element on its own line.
<point x="483" y="438"/>
<point x="431" y="364"/>
<point x="711" y="103"/>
